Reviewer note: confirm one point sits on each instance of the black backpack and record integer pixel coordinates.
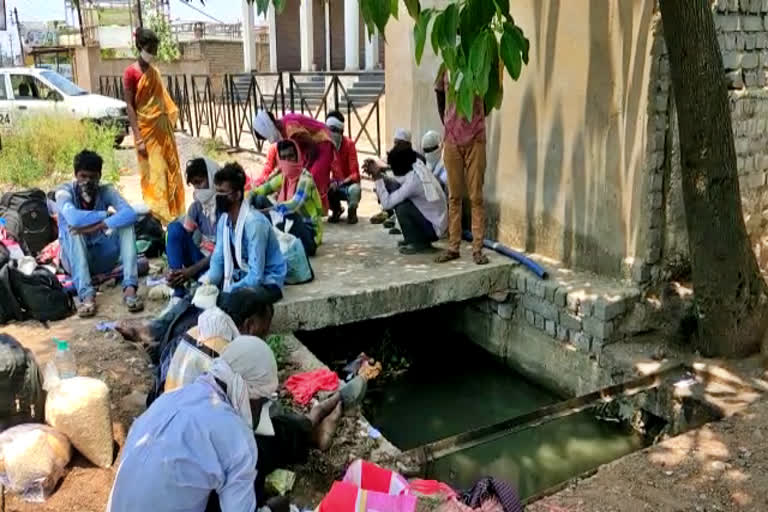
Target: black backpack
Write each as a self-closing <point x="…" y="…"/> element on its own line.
<point x="27" y="219"/>
<point x="149" y="229"/>
<point x="22" y="399"/>
<point x="39" y="295"/>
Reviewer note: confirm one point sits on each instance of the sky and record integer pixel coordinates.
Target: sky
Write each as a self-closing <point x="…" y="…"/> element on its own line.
<point x="227" y="11"/>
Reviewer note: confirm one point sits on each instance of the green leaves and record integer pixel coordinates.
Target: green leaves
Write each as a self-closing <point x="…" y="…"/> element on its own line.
<point x="420" y="32"/>
<point x="279" y="5"/>
<point x="480" y="57"/>
<point x="414" y="8"/>
<point x="514" y="49"/>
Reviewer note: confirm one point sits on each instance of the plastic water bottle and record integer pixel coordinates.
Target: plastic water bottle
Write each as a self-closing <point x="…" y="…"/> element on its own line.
<point x="64" y="360"/>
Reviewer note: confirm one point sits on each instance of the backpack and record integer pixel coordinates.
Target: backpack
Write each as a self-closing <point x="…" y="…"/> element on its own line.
<point x="27" y="219"/>
<point x="149" y="230"/>
<point x="21" y="391"/>
<point x="39" y="295"/>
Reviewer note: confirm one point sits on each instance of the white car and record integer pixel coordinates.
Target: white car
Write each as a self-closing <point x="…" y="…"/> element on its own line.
<point x="25" y="91"/>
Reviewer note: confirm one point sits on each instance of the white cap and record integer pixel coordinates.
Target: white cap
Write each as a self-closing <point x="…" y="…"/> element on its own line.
<point x="205" y="296"/>
<point x="402" y="134"/>
<point x="431" y="139"/>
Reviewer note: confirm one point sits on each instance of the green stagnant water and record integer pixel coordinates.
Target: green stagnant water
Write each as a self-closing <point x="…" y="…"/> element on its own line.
<point x="452" y="386"/>
<point x="463" y="388"/>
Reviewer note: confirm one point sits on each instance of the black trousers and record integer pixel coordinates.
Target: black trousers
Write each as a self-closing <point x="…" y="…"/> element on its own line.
<point x="301" y="229"/>
<point x="290" y="445"/>
<point x="417" y="230"/>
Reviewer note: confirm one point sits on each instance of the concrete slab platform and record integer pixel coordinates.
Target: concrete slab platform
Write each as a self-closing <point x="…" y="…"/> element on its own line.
<point x="359" y="275"/>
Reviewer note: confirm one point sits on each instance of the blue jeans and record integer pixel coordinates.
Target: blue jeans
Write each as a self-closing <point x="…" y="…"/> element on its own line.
<point x="350" y="193"/>
<point x="181" y="250"/>
<point x="84" y="255"/>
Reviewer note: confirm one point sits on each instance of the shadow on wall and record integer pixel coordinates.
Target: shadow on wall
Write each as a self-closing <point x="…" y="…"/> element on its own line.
<point x="570" y="149"/>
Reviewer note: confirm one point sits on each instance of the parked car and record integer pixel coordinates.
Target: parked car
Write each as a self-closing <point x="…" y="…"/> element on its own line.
<point x="25" y="91"/>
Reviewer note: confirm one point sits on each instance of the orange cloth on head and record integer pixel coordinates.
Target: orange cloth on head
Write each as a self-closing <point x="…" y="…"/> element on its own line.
<point x="162" y="185"/>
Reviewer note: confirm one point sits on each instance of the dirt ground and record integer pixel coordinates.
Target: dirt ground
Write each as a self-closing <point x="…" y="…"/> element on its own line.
<point x="126" y="369"/>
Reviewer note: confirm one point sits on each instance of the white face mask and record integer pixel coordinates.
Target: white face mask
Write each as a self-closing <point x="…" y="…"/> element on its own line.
<point x="204" y="194"/>
<point x="146" y="56"/>
<point x="432" y="158"/>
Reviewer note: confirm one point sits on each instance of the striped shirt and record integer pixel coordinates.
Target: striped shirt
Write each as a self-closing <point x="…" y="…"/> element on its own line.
<point x="305" y="203"/>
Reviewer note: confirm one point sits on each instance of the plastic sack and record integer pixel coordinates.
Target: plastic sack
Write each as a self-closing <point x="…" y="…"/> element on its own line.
<point x="303" y="386"/>
<point x="33" y="458"/>
<point x="299" y="268"/>
<point x="79" y="408"/>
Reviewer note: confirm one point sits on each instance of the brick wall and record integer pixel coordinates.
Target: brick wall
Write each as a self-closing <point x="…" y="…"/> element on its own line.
<point x="742" y="28"/>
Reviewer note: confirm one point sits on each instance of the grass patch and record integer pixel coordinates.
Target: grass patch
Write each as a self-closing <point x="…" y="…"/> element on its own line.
<point x="214" y="149"/>
<point x="278" y="347"/>
<point x="40" y="149"/>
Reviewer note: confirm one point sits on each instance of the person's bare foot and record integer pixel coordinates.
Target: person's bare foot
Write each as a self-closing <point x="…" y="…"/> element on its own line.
<point x="134" y="330"/>
<point x="323" y="409"/>
<point x="325" y="431"/>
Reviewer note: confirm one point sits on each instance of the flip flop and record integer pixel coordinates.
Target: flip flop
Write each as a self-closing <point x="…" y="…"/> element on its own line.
<point x="480" y="258"/>
<point x="86" y="309"/>
<point x="446" y="256"/>
<point x="133" y="303"/>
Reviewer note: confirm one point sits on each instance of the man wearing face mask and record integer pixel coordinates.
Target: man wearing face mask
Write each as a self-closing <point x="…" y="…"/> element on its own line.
<point x="247" y="253"/>
<point x="345" y="174"/>
<point x="432" y="147"/>
<point x="313" y="139"/>
<point x="152" y="115"/>
<point x="92" y="241"/>
<point x="191" y="241"/>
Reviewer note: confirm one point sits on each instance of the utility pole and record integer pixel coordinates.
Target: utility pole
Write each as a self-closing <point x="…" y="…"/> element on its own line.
<point x="10" y="45"/>
<point x="80" y="23"/>
<point x="138" y="11"/>
<point x="18" y="31"/>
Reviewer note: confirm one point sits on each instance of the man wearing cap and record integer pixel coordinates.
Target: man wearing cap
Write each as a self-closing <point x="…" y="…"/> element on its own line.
<point x="400" y="142"/>
<point x="464" y="156"/>
<point x="345" y="173"/>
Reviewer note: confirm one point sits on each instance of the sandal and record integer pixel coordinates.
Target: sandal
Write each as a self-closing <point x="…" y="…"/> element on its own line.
<point x="446" y="256"/>
<point x="480" y="258"/>
<point x="379" y="218"/>
<point x="395" y="231"/>
<point x="86" y="309"/>
<point x="336" y="216"/>
<point x="134" y="303"/>
<point x="389" y="224"/>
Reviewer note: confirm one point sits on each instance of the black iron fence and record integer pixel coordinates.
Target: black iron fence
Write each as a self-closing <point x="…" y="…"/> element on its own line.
<point x="223" y="107"/>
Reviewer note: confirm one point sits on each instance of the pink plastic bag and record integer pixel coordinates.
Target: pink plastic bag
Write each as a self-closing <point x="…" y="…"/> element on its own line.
<point x="367" y="487"/>
<point x="303" y="386"/>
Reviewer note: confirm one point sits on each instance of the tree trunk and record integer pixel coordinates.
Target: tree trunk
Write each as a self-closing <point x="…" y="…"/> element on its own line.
<point x="730" y="294"/>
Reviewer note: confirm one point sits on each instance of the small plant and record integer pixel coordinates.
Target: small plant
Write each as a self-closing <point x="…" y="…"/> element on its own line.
<point x="212" y="149"/>
<point x="168" y="50"/>
<point x="40" y="150"/>
<point x="276" y="343"/>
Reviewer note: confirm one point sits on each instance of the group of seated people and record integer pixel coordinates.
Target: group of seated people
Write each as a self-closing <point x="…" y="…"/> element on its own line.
<point x="210" y="444"/>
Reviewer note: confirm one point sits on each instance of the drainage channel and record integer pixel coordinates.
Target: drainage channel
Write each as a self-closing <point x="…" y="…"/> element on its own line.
<point x="461" y="414"/>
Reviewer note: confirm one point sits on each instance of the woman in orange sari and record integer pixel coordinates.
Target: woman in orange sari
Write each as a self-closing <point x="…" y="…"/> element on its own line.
<point x="153" y="114"/>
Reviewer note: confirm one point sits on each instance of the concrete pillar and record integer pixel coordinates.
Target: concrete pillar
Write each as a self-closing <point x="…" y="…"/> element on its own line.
<point x="371" y="50"/>
<point x="306" y="34"/>
<point x="272" y="22"/>
<point x="249" y="37"/>
<point x="352" y="35"/>
<point x="327" y="10"/>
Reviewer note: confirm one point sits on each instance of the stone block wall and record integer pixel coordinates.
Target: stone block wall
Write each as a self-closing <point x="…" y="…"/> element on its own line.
<point x="588" y="317"/>
<point x="742" y="27"/>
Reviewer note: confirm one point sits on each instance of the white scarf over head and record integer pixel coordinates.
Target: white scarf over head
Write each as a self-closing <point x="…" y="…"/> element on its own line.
<point x="432" y="189"/>
<point x="229" y="262"/>
<point x="264" y="126"/>
<point x="215" y="323"/>
<point x="333" y="122"/>
<point x="248" y="369"/>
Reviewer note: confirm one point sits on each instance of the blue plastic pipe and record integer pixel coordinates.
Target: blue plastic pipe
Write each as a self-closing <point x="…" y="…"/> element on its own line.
<point x="510" y="253"/>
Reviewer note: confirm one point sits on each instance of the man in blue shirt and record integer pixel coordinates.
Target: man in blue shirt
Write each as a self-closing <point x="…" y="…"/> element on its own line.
<point x="190" y="241"/>
<point x="93" y="241"/>
<point x="247" y="253"/>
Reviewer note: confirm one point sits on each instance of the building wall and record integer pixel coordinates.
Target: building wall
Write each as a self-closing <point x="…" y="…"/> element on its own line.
<point x="288" y="38"/>
<point x="567" y="153"/>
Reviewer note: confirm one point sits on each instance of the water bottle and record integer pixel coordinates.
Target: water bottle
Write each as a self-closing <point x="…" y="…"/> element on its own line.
<point x="64" y="360"/>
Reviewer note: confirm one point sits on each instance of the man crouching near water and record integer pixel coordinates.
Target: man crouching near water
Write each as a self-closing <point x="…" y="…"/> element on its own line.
<point x="194" y="449"/>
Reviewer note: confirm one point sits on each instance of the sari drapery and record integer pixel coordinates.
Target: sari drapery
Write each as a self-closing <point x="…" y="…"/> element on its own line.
<point x="162" y="185"/>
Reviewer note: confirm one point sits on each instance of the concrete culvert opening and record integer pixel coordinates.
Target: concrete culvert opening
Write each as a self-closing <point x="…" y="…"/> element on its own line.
<point x="440" y="390"/>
